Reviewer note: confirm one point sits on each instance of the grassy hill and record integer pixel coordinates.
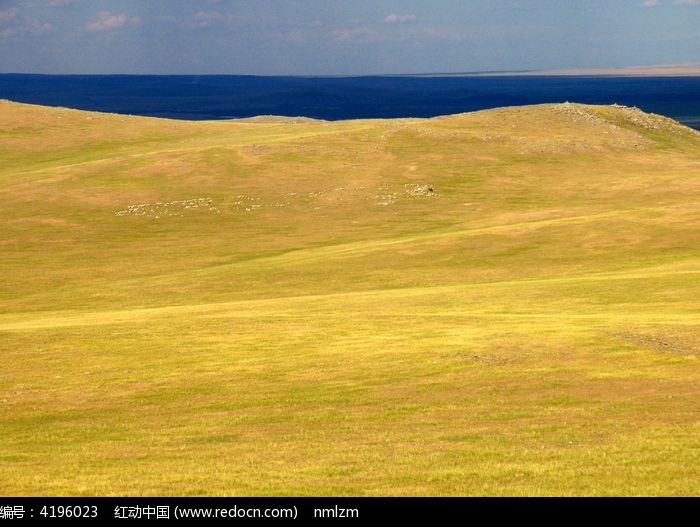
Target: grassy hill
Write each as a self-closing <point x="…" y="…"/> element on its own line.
<point x="500" y="302"/>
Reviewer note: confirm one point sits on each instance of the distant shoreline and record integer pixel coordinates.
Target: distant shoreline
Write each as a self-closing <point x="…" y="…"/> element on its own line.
<point x="674" y="70"/>
<point x="664" y="70"/>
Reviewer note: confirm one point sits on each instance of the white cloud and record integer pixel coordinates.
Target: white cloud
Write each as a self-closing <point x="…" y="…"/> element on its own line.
<point x="442" y="34"/>
<point x="8" y="14"/>
<point x="654" y="3"/>
<point x="10" y="32"/>
<point x="202" y="19"/>
<point x="212" y="18"/>
<point x="354" y="34"/>
<point x="295" y="36"/>
<point x="107" y="22"/>
<point x="393" y="18"/>
<point x="32" y="27"/>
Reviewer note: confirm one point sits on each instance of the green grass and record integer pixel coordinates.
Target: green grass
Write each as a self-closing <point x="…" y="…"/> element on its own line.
<point x="531" y="328"/>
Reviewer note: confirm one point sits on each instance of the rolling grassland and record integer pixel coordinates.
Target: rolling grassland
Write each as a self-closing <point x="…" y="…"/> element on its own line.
<point x="504" y="302"/>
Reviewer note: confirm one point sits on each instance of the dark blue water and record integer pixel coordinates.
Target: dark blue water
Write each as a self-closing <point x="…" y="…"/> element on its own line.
<point x="226" y="97"/>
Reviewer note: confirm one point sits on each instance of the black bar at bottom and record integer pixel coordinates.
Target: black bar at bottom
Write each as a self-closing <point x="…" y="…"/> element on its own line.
<point x="470" y="510"/>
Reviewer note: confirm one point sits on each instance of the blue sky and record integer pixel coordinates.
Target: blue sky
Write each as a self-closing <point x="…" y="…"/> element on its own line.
<point x="342" y="37"/>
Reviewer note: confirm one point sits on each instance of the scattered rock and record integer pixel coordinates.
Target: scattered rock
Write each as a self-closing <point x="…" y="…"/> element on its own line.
<point x="658" y="342"/>
<point x="170" y="208"/>
<point x="414" y="190"/>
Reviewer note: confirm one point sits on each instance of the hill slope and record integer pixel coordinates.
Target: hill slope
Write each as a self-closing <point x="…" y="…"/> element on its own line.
<point x="500" y="302"/>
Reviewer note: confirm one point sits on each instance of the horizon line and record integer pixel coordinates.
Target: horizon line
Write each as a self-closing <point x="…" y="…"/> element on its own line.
<point x="658" y="70"/>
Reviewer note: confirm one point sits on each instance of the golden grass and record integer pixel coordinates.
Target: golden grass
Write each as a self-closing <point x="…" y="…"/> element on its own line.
<point x="531" y="327"/>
